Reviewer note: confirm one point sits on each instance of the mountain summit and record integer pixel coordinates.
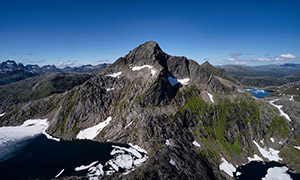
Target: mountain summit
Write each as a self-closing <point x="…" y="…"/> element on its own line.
<point x="191" y="119"/>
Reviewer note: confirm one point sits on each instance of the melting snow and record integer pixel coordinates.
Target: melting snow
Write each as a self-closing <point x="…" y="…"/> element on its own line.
<point x="124" y="158"/>
<point x="271" y="154"/>
<point x="114" y="75"/>
<point x="29" y="128"/>
<point x="2" y="114"/>
<point x="238" y="173"/>
<point x="227" y="167"/>
<point x="59" y="173"/>
<point x="261" y="141"/>
<point x="280" y="110"/>
<point x="272" y="139"/>
<point x="83" y="167"/>
<point x="297" y="147"/>
<point x="184" y="81"/>
<point x="195" y="143"/>
<point x="173" y="81"/>
<point x="91" y="132"/>
<point x="138" y="148"/>
<point x="277" y="173"/>
<point x="255" y="158"/>
<point x="210" y="97"/>
<point x="137" y="68"/>
<point x="280" y="142"/>
<point x="96" y="171"/>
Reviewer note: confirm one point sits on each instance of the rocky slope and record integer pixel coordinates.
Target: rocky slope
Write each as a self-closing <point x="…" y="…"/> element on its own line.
<point x="16" y="94"/>
<point x="189" y="117"/>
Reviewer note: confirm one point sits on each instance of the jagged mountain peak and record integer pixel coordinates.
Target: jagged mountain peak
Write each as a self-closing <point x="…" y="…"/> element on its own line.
<point x="150" y="52"/>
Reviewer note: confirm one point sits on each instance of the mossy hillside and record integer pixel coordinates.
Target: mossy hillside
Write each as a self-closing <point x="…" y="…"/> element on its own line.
<point x="227" y="127"/>
<point x="67" y="108"/>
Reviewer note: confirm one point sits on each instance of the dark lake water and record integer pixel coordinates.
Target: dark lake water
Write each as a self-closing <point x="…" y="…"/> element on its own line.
<point x="259" y="93"/>
<point x="257" y="170"/>
<point x="42" y="158"/>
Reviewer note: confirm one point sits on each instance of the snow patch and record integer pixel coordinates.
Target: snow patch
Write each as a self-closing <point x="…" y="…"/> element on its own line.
<point x="168" y="143"/>
<point x="269" y="153"/>
<point x="238" y="173"/>
<point x="60" y="173"/>
<point x="83" y="167"/>
<point x="277" y="173"/>
<point x="172" y="162"/>
<point x="184" y="81"/>
<point x="115" y="75"/>
<point x="280" y="110"/>
<point x="130" y="150"/>
<point x="128" y="124"/>
<point x="91" y="132"/>
<point x="210" y="97"/>
<point x="255" y="158"/>
<point x="292" y="98"/>
<point x="195" y="143"/>
<point x="297" y="147"/>
<point x="138" y="148"/>
<point x="227" y="167"/>
<point x="137" y="68"/>
<point x="2" y="114"/>
<point x="173" y="81"/>
<point x="280" y="142"/>
<point x="272" y="139"/>
<point x="109" y="89"/>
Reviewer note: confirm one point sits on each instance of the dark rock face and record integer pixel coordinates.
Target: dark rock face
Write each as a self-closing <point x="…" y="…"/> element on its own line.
<point x="148" y="109"/>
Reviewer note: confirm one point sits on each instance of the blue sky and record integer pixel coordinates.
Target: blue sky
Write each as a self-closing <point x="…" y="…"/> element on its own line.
<point x="73" y="32"/>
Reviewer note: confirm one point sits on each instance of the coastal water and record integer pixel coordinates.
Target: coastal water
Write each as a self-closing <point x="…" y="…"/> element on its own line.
<point x="41" y="158"/>
<point x="257" y="170"/>
<point x="259" y="93"/>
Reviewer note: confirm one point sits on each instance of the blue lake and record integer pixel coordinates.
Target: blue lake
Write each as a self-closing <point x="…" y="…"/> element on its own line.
<point x="259" y="93"/>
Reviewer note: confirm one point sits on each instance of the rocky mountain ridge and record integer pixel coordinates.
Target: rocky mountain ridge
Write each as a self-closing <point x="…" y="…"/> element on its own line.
<point x="10" y="71"/>
<point x="167" y="104"/>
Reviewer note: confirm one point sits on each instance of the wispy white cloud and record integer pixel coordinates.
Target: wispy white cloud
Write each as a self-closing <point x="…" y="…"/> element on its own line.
<point x="238" y="58"/>
<point x="64" y="64"/>
<point x="290" y="56"/>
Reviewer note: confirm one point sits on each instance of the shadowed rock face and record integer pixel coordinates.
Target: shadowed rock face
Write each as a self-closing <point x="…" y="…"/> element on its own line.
<point x="147" y="108"/>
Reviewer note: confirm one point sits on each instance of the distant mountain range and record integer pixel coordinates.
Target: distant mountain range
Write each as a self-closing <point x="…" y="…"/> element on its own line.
<point x="11" y="71"/>
<point x="268" y="75"/>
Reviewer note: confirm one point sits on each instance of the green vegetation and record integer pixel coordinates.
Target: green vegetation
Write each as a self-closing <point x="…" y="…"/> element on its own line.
<point x="68" y="110"/>
<point x="220" y="123"/>
<point x="279" y="126"/>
